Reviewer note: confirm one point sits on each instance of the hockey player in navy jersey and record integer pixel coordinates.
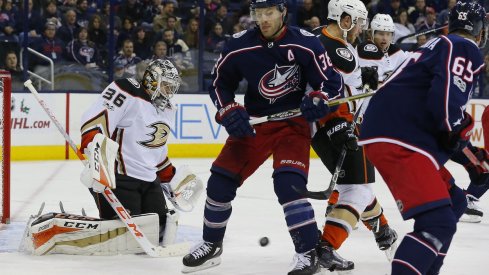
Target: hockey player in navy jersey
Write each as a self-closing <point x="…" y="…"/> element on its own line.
<point x="415" y="123"/>
<point x="354" y="198"/>
<point x="278" y="62"/>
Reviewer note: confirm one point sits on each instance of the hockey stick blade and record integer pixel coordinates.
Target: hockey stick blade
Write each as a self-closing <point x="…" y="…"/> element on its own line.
<point x="315" y="195"/>
<point x="297" y="112"/>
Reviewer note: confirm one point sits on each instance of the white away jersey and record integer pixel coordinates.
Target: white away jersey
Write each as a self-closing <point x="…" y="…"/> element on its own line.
<point x="124" y="113"/>
<point x="371" y="56"/>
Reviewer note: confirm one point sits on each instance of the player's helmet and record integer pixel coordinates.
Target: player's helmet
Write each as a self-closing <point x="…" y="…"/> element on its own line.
<point x="382" y="22"/>
<point x="161" y="81"/>
<point x="259" y="4"/>
<point x="470" y="17"/>
<point x="355" y="8"/>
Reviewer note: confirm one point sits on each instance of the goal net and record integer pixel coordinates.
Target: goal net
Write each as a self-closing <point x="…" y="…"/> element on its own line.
<point x="5" y="93"/>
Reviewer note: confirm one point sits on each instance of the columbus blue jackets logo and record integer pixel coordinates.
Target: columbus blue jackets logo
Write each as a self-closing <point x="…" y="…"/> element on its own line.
<point x="279" y="82"/>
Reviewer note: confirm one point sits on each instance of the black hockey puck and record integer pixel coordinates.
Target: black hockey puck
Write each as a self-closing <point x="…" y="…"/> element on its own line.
<point x="264" y="241"/>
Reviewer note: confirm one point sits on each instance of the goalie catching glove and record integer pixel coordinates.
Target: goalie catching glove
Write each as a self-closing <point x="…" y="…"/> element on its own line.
<point x="184" y="189"/>
<point x="99" y="172"/>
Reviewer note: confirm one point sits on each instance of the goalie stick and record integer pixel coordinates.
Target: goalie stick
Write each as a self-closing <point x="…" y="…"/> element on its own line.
<point x="324" y="195"/>
<point x="120" y="210"/>
<point x="297" y="112"/>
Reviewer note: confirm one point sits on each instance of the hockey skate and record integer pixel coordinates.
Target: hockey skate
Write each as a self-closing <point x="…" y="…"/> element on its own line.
<point x="205" y="255"/>
<point x="331" y="260"/>
<point x="473" y="213"/>
<point x="385" y="237"/>
<point x="305" y="263"/>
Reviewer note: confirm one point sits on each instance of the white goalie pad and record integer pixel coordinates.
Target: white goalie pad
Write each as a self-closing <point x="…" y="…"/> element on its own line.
<point x="101" y="153"/>
<point x="184" y="189"/>
<point x="62" y="233"/>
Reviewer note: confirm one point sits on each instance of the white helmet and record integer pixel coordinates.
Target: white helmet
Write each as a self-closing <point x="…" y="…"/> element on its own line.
<point x="355" y="8"/>
<point x="382" y="22"/>
<point x="161" y="81"/>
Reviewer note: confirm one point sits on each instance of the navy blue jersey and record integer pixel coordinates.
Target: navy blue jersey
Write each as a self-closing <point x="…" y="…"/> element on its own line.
<point x="425" y="97"/>
<point x="277" y="72"/>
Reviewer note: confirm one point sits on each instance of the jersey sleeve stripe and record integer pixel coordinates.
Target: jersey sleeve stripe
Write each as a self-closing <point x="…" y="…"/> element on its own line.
<point x="447" y="83"/>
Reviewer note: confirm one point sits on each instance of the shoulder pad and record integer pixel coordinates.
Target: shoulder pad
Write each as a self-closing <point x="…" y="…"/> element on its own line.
<point x="369" y="50"/>
<point x="393" y="48"/>
<point x="132" y="87"/>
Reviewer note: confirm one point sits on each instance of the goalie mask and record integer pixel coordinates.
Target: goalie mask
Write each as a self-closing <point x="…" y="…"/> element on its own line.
<point x="470" y="17"/>
<point x="161" y="81"/>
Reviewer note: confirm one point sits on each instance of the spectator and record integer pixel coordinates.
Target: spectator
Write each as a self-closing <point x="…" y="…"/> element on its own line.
<point x="160" y="20"/>
<point x="305" y="13"/>
<point x="67" y="5"/>
<point x="97" y="31"/>
<point x="7" y="25"/>
<point x="420" y="41"/>
<point x="443" y="15"/>
<point x="171" y="24"/>
<point x="131" y="8"/>
<point x="484" y="80"/>
<point x="49" y="45"/>
<point x="159" y="51"/>
<point x="429" y="22"/>
<point x="34" y="20"/>
<point x="105" y="16"/>
<point x="127" y="58"/>
<point x="314" y="22"/>
<point x="82" y="50"/>
<point x="178" y="51"/>
<point x="82" y="13"/>
<point x="403" y="28"/>
<point x="126" y="31"/>
<point x="220" y="16"/>
<point x="12" y="66"/>
<point x="215" y="40"/>
<point x="191" y="35"/>
<point x="69" y="27"/>
<point x="142" y="43"/>
<point x="51" y="13"/>
<point x="416" y="13"/>
<point x="150" y="13"/>
<point x="237" y="28"/>
<point x="390" y="7"/>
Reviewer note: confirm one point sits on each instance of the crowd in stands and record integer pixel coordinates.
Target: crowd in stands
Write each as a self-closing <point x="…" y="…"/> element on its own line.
<point x="77" y="31"/>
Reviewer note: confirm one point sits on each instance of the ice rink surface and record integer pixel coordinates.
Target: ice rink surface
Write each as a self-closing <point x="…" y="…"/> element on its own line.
<point x="256" y="213"/>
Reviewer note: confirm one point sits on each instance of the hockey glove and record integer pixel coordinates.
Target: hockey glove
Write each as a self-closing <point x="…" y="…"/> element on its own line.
<point x="340" y="132"/>
<point x="477" y="173"/>
<point x="313" y="106"/>
<point x="459" y="137"/>
<point x="370" y="76"/>
<point x="236" y="120"/>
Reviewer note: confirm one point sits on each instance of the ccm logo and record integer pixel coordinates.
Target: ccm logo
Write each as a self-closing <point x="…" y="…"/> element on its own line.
<point x="81" y="225"/>
<point x="96" y="156"/>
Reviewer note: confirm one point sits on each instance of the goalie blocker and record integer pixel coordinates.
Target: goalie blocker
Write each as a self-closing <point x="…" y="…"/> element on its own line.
<point x="63" y="233"/>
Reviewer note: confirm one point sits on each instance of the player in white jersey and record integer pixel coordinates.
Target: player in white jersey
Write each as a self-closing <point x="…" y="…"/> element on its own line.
<point x="136" y="116"/>
<point x="379" y="51"/>
<point x="354" y="198"/>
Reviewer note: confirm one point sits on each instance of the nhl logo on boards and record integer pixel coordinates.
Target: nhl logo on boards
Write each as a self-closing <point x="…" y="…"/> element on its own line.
<point x="344" y="53"/>
<point x="370" y="48"/>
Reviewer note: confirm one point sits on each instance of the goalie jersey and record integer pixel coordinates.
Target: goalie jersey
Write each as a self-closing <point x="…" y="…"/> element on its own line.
<point x="425" y="98"/>
<point x="277" y="71"/>
<point x="124" y="112"/>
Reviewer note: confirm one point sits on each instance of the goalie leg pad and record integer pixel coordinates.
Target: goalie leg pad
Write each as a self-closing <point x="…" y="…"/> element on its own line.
<point x="61" y="233"/>
<point x="170" y="233"/>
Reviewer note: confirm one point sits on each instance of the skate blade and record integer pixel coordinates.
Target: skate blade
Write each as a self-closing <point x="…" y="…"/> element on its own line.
<point x="325" y="271"/>
<point x="470" y="218"/>
<point x="391" y="251"/>
<point x="208" y="264"/>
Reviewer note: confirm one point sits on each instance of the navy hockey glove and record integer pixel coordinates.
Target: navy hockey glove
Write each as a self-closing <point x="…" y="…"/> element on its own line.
<point x="477" y="173"/>
<point x="370" y="76"/>
<point x="459" y="137"/>
<point x="236" y="120"/>
<point x="341" y="133"/>
<point x="313" y="106"/>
